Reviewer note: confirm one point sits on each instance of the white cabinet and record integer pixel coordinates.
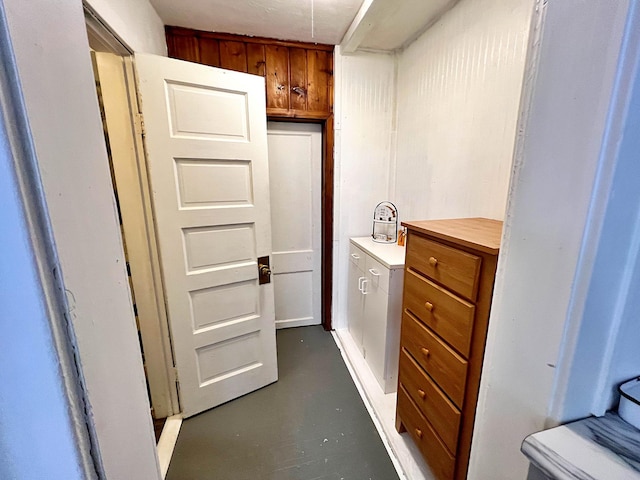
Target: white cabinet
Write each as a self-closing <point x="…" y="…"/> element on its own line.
<point x="355" y="297"/>
<point x="374" y="305"/>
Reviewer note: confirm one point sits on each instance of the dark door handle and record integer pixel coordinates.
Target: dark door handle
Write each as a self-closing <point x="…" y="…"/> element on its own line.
<point x="264" y="271"/>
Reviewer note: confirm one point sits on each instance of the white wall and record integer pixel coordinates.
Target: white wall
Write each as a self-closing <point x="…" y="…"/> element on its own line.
<point x="364" y="113"/>
<point x="606" y="350"/>
<point x="135" y="22"/>
<point x="32" y="385"/>
<point x="557" y="157"/>
<point x="52" y="55"/>
<point x="459" y="90"/>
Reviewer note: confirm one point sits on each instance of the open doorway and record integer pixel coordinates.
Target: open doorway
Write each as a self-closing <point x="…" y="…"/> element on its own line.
<point x="124" y="131"/>
<point x="114" y="80"/>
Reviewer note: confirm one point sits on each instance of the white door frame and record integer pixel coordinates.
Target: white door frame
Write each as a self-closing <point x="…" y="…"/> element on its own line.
<point x="132" y="185"/>
<point x="44" y="384"/>
<point x="51" y="63"/>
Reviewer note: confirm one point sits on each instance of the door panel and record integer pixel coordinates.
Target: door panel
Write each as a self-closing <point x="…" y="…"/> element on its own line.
<point x="207" y="149"/>
<point x="292" y="297"/>
<point x="209" y="183"/>
<point x="295" y="157"/>
<point x="227" y="303"/>
<point x="194" y="112"/>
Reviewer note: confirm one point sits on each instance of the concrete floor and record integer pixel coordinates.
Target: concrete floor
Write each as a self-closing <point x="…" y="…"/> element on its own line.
<point x="310" y="425"/>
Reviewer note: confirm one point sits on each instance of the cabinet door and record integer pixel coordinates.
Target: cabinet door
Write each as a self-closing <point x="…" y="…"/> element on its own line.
<point x="374" y="327"/>
<point x="375" y="319"/>
<point x="355" y="298"/>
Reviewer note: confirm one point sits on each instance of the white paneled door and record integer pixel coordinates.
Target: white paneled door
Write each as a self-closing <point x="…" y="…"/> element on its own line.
<point x="206" y="140"/>
<point x="295" y="161"/>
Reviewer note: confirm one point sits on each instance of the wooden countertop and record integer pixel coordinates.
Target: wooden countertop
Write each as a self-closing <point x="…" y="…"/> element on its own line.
<point x="481" y="234"/>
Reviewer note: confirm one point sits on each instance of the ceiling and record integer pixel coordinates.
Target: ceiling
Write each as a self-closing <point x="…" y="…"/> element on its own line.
<point x="355" y="24"/>
<point x="317" y="21"/>
<point x="392" y="24"/>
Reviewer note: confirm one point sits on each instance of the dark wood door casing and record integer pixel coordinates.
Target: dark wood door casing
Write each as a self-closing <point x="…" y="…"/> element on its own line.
<point x="299" y="87"/>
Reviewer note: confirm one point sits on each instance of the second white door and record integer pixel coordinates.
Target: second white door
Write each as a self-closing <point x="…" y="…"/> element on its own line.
<point x="295" y="164"/>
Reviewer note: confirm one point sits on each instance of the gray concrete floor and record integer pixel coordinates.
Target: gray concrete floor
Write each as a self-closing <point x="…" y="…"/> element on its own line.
<point x="310" y="425"/>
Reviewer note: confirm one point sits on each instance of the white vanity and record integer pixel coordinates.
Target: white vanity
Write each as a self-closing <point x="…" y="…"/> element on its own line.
<point x="376" y="272"/>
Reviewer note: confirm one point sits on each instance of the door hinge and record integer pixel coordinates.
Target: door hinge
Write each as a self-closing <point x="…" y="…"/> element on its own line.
<point x="175" y="379"/>
<point x="138" y="121"/>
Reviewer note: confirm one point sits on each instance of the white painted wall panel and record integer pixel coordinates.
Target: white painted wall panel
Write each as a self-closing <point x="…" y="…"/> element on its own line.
<point x="365" y="92"/>
<point x="459" y="90"/>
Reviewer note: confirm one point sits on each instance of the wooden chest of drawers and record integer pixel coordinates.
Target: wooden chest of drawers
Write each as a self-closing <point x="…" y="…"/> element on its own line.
<point x="449" y="273"/>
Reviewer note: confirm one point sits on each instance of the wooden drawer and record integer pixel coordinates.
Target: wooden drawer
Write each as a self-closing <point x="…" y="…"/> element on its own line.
<point x="446" y="314"/>
<point x="457" y="270"/>
<point x="436" y="407"/>
<point x="444" y="366"/>
<point x="434" y="451"/>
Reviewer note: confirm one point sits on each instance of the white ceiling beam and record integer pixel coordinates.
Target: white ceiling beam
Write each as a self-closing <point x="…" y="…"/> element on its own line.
<point x="357" y="30"/>
<point x="389" y="25"/>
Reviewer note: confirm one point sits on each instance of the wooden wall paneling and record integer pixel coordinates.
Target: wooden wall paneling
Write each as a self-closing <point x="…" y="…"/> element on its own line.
<point x="248" y="38"/>
<point x="320" y="74"/>
<point x="209" y="51"/>
<point x="184" y="47"/>
<point x="277" y="59"/>
<point x="233" y="55"/>
<point x="298" y="79"/>
<point x="256" y="60"/>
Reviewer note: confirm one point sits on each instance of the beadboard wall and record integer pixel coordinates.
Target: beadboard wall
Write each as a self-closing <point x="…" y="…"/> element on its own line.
<point x="364" y="114"/>
<point x="432" y="128"/>
<point x="459" y="88"/>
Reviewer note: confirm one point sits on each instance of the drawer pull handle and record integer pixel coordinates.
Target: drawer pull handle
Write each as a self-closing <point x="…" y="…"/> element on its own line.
<point x="433" y="261"/>
<point x="429" y="306"/>
<point x="421" y="394"/>
<point x="425" y="352"/>
<point x="355" y="256"/>
<point x="418" y="433"/>
<point x="374" y="272"/>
